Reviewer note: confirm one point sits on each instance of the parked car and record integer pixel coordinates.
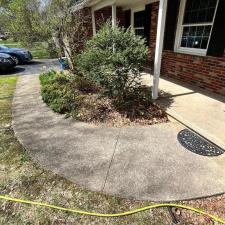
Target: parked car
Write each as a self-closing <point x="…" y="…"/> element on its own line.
<point x="6" y="62"/>
<point x="20" y="55"/>
<point x="3" y="37"/>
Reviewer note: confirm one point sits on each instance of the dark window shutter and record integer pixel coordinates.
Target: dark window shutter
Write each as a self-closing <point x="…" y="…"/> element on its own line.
<point x="171" y="23"/>
<point x="148" y="16"/>
<point x="127" y="14"/>
<point x="217" y="41"/>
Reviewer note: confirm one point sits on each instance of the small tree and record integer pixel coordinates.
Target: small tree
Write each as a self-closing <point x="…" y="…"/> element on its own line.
<point x="69" y="27"/>
<point x="113" y="59"/>
<point x="25" y="20"/>
<point x="50" y="21"/>
<point x="74" y="34"/>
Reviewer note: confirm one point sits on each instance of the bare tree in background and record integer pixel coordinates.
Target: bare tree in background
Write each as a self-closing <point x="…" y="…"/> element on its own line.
<point x="50" y="21"/>
<point x="72" y="28"/>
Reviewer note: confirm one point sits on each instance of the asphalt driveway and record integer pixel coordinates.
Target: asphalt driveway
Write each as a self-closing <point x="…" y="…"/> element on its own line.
<point x="34" y="67"/>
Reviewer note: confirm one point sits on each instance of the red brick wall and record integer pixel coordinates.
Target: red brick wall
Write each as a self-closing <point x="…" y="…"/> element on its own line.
<point x="88" y="20"/>
<point x="153" y="31"/>
<point x="104" y="14"/>
<point x="205" y="72"/>
<point x="85" y="30"/>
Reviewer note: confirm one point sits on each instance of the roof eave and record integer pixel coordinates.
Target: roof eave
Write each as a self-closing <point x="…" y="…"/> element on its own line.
<point x="80" y="5"/>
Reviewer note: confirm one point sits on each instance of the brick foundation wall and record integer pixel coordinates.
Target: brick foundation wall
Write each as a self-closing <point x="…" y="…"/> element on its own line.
<point x="205" y="72"/>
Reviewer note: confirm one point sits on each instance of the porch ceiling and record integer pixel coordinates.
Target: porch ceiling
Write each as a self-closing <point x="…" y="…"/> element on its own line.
<point x="98" y="4"/>
<point x="121" y="3"/>
<point x="127" y="3"/>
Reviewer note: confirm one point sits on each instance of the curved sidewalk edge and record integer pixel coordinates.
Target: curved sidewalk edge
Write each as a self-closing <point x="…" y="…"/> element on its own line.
<point x="143" y="163"/>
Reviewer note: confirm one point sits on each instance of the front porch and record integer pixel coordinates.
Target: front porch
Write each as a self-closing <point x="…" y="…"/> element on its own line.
<point x="192" y="51"/>
<point x="197" y="109"/>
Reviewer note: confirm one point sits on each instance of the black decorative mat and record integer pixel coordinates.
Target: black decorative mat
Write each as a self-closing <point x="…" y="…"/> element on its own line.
<point x="197" y="144"/>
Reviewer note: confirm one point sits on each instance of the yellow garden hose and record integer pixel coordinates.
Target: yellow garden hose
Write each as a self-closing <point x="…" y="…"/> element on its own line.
<point x="116" y="214"/>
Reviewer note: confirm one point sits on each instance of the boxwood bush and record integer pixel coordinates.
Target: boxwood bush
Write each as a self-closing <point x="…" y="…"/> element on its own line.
<point x="58" y="91"/>
<point x="113" y="59"/>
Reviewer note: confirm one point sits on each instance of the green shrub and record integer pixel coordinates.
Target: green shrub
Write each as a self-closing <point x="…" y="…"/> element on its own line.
<point x="113" y="59"/>
<point x="53" y="50"/>
<point x="57" y="90"/>
<point x="85" y="86"/>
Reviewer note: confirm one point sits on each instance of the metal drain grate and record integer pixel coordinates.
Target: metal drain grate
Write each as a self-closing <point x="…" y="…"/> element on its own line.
<point x="197" y="144"/>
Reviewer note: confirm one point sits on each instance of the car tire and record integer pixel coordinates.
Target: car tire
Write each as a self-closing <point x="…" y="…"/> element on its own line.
<point x="16" y="59"/>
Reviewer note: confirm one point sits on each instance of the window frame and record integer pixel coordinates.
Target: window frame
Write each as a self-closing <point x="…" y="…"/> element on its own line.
<point x="179" y="32"/>
<point x="133" y="11"/>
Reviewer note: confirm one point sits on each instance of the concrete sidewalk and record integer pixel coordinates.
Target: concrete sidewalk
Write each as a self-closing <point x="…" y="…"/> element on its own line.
<point x="143" y="162"/>
<point x="195" y="108"/>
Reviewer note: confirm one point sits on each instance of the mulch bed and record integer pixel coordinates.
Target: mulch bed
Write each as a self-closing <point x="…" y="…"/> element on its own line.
<point x="102" y="112"/>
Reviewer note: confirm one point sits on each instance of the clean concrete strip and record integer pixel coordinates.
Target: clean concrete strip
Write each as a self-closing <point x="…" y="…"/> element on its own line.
<point x="77" y="151"/>
<point x="199" y="110"/>
<point x="151" y="164"/>
<point x="148" y="162"/>
<point x="204" y="114"/>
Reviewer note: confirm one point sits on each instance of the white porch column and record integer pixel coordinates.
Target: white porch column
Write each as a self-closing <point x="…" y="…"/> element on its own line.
<point x="159" y="46"/>
<point x="93" y="21"/>
<point x="113" y="15"/>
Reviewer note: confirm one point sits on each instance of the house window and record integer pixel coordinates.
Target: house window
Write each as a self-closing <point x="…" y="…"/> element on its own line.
<point x="195" y="24"/>
<point x="139" y="22"/>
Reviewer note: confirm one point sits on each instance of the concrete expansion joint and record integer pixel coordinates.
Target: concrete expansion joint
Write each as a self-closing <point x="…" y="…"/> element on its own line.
<point x="113" y="155"/>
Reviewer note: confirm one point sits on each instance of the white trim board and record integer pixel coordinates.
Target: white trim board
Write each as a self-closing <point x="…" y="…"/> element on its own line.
<point x="141" y="3"/>
<point x="103" y="4"/>
<point x="96" y="5"/>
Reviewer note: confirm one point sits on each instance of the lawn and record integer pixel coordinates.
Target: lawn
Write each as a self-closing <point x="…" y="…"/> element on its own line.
<point x="38" y="50"/>
<point x="22" y="178"/>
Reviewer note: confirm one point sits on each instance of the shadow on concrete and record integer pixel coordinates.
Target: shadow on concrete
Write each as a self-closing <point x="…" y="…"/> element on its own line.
<point x="165" y="99"/>
<point x="138" y="104"/>
<point x="16" y="70"/>
<point x="34" y="67"/>
<point x="35" y="63"/>
<point x="194" y="89"/>
<point x="167" y="95"/>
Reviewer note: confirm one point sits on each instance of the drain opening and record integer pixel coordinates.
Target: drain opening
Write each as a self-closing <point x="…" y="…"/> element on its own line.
<point x="197" y="144"/>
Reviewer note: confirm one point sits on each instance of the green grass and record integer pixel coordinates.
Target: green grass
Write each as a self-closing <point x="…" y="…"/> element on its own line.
<point x="7" y="86"/>
<point x="22" y="178"/>
<point x="38" y="50"/>
<point x="8" y="41"/>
